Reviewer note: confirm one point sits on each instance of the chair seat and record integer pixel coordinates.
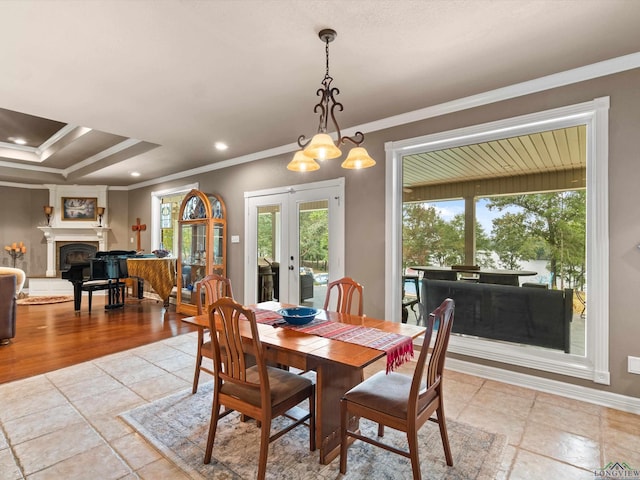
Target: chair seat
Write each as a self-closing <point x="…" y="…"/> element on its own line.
<point x="96" y="283"/>
<point x="387" y="393"/>
<point x="282" y="383"/>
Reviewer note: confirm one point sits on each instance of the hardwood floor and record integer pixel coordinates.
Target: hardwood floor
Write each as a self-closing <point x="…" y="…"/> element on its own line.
<point x="49" y="337"/>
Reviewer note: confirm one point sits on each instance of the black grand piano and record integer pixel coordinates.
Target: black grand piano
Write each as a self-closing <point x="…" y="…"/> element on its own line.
<point x="105" y="271"/>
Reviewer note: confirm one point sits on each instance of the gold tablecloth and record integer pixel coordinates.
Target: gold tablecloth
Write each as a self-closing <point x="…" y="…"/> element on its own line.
<point x="159" y="272"/>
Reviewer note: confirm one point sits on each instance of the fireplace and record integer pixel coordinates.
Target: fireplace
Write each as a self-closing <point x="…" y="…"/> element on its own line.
<point x="83" y="241"/>
<point x="74" y="253"/>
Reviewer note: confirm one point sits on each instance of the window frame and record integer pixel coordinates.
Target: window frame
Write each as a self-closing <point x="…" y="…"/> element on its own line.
<point x="156" y="201"/>
<point x="594" y="365"/>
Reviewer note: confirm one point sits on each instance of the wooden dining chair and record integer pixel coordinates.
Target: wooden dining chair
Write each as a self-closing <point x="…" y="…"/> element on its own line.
<point x="404" y="402"/>
<point x="260" y="391"/>
<point x="343" y="295"/>
<point x="212" y="288"/>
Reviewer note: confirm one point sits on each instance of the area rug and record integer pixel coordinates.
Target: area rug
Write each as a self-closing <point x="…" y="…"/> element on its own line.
<point x="178" y="425"/>
<point x="44" y="300"/>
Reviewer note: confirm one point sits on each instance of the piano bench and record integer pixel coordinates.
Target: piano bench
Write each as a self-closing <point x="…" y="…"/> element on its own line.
<point x="115" y="287"/>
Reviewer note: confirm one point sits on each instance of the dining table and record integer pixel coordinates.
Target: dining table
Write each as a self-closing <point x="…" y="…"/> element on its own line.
<point x="338" y="365"/>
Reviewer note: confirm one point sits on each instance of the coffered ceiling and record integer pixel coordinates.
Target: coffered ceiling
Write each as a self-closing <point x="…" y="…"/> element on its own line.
<point x="105" y="88"/>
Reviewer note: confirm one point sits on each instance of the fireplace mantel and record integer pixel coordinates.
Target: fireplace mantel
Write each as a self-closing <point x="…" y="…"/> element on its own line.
<point x="71" y="234"/>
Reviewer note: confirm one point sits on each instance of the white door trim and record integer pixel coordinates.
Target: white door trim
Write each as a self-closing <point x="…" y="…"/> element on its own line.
<point x="336" y="226"/>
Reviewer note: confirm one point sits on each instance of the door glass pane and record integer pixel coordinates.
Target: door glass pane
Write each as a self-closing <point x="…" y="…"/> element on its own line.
<point x="313" y="250"/>
<point x="218" y="246"/>
<point x="169" y="213"/>
<point x="193" y="266"/>
<point x="269" y="253"/>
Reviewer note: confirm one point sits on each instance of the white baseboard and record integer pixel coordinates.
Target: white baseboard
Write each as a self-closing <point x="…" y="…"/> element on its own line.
<point x="41" y="287"/>
<point x="577" y="392"/>
<point x="44" y="287"/>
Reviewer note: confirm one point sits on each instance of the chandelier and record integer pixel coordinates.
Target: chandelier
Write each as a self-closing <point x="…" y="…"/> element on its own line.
<point x="321" y="146"/>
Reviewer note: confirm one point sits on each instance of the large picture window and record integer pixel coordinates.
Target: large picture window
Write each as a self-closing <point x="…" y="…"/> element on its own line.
<point x="526" y="196"/>
<point x="540" y="235"/>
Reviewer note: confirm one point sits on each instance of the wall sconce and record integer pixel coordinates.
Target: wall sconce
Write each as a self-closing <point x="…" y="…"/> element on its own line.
<point x="48" y="211"/>
<point x="100" y="211"/>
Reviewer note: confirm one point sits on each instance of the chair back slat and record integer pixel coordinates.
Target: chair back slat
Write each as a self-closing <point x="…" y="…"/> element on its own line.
<point x="443" y="315"/>
<point x="215" y="287"/>
<point x="237" y="334"/>
<point x="344" y="296"/>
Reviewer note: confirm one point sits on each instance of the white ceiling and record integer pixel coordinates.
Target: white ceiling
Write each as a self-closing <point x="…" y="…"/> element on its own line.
<point x="183" y="74"/>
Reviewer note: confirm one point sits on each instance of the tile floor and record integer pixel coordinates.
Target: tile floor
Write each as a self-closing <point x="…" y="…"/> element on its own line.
<point x="65" y="425"/>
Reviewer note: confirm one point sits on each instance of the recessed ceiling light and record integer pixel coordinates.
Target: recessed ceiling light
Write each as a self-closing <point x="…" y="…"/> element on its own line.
<point x="18" y="140"/>
<point x="135" y="174"/>
<point x="221" y="146"/>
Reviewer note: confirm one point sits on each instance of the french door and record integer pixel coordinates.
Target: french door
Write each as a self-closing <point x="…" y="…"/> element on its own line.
<point x="294" y="242"/>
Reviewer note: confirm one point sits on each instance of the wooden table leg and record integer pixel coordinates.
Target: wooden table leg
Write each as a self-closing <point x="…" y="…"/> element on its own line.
<point x="332" y="381"/>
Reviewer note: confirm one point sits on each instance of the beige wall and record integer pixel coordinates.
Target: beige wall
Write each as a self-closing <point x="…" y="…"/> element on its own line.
<point x="20" y="213"/>
<point x="24" y="213"/>
<point x="118" y="221"/>
<point x="365" y="206"/>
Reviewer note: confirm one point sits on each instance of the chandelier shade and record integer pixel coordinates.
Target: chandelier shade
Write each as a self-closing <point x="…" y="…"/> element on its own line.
<point x="302" y="163"/>
<point x="321" y="146"/>
<point x="358" y="158"/>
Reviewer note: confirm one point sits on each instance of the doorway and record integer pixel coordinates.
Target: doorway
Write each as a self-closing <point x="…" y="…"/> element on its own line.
<point x="165" y="206"/>
<point x="295" y="242"/>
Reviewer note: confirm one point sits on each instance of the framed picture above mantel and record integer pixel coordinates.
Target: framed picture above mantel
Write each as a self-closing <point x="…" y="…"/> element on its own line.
<point x="79" y="208"/>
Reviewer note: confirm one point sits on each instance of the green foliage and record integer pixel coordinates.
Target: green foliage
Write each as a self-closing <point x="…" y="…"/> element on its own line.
<point x="314" y="237"/>
<point x="549" y="226"/>
<point x="510" y="240"/>
<point x="430" y="240"/>
<point x="554" y="223"/>
<point x="265" y="236"/>
<point x="421" y="233"/>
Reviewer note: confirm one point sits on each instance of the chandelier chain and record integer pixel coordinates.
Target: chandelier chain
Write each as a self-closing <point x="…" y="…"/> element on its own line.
<point x="326" y="53"/>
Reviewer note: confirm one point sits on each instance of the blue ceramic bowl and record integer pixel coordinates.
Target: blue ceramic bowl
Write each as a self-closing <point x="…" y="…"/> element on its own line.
<point x="298" y="315"/>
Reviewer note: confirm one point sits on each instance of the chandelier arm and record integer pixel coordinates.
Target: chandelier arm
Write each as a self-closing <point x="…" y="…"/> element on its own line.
<point x="357" y="139"/>
<point x="301" y="141"/>
<point x="321" y="108"/>
<point x="335" y="104"/>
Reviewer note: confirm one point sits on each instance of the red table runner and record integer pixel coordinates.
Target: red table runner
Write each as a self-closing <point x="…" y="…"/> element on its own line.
<point x="399" y="348"/>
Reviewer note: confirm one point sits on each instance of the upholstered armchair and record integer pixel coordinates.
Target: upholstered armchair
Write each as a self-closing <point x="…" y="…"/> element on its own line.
<point x="20" y="277"/>
<point x="7" y="308"/>
<point x="11" y="283"/>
